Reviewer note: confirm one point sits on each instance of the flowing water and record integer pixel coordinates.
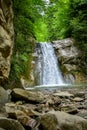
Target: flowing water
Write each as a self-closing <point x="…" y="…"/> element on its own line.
<point x="48" y="66"/>
<point x="47" y="73"/>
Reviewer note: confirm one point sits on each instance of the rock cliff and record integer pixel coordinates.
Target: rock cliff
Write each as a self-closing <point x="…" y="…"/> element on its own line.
<point x="6" y="37"/>
<point x="70" y="61"/>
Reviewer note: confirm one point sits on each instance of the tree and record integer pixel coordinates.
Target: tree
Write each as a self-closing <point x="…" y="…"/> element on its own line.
<point x="58" y="20"/>
<point x="68" y="18"/>
<point x="26" y="13"/>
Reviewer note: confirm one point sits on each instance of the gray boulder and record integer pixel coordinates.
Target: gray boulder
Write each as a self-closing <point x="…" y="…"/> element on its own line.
<point x="33" y="97"/>
<point x="48" y="122"/>
<point x="2" y="129"/>
<point x="4" y="97"/>
<point x="56" y="120"/>
<point x="10" y="124"/>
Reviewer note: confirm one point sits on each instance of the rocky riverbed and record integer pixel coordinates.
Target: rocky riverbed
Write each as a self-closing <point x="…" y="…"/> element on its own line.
<point x="64" y="109"/>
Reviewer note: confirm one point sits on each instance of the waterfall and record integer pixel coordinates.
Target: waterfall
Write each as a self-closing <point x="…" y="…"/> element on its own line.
<point x="49" y="72"/>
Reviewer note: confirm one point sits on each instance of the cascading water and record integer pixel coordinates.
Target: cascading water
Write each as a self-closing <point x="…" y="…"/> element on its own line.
<point x="49" y="72"/>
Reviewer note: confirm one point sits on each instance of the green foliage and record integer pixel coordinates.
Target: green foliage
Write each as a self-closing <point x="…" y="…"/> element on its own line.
<point x="26" y="13"/>
<point x="68" y="18"/>
<point x="78" y="13"/>
<point x="60" y="19"/>
<point x="41" y="31"/>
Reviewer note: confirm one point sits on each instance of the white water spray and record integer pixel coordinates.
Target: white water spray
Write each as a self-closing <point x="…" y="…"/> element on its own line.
<point x="50" y="70"/>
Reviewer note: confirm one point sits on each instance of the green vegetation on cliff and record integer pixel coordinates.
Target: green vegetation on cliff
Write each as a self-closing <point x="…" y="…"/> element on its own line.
<point x="34" y="20"/>
<point x="26" y="14"/>
<point x="68" y="18"/>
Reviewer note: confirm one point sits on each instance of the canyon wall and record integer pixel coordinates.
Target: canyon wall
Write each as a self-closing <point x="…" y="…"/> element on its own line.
<point x="6" y="37"/>
<point x="69" y="57"/>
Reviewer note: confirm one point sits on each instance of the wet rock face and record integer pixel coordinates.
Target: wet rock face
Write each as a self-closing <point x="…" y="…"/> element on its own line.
<point x="6" y="37"/>
<point x="70" y="60"/>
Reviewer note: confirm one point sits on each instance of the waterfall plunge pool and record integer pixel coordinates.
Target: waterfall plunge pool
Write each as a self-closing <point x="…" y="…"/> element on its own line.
<point x="48" y="72"/>
<point x="56" y="86"/>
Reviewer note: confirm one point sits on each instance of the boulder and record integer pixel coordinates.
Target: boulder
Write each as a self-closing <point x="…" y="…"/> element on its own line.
<point x="29" y="96"/>
<point x="26" y="120"/>
<point x="23" y="114"/>
<point x="13" y="110"/>
<point x="2" y="129"/>
<point x="80" y="94"/>
<point x="48" y="122"/>
<point x="63" y="94"/>
<point x="56" y="120"/>
<point x="4" y="97"/>
<point x="6" y="37"/>
<point x="83" y="114"/>
<point x="70" y="108"/>
<point x="10" y="124"/>
<point x="78" y="99"/>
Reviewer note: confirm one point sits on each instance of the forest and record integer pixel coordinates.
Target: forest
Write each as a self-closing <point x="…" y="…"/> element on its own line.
<point x="39" y="20"/>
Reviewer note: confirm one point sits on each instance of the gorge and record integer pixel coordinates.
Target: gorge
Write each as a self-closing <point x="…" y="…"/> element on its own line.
<point x="27" y="63"/>
<point x="56" y="63"/>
